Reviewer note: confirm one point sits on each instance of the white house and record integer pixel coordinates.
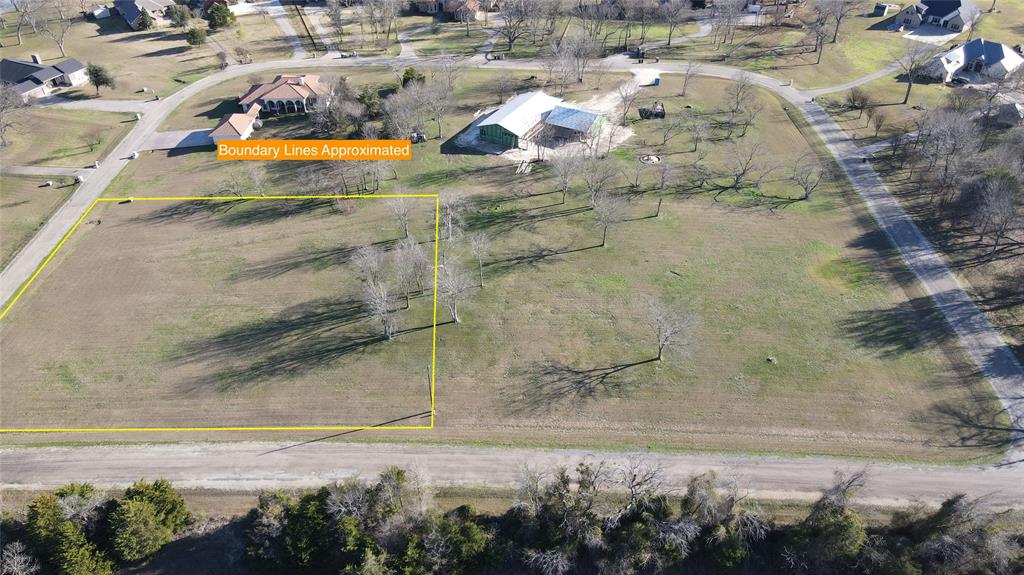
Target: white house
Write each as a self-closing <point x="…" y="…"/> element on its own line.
<point x="979" y="56"/>
<point x="955" y="15"/>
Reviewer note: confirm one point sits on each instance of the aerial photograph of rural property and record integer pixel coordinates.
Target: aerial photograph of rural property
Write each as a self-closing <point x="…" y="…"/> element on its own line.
<point x="549" y="287"/>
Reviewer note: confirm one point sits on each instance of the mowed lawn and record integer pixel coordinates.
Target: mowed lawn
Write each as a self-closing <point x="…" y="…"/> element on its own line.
<point x="159" y="60"/>
<point x="259" y="34"/>
<point x="65" y="138"/>
<point x="25" y="204"/>
<point x="186" y="314"/>
<point x="812" y="339"/>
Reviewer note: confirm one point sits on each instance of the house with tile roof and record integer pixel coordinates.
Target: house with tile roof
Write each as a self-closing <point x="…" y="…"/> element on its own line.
<point x="237" y="126"/>
<point x="955" y="15"/>
<point x="985" y="58"/>
<point x="34" y="79"/>
<point x="286" y="94"/>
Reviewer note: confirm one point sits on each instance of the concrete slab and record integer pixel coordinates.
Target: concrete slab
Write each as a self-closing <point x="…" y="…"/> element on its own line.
<point x="178" y="139"/>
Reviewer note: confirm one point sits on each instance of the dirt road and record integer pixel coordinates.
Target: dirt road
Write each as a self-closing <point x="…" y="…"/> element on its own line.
<point x="242" y="466"/>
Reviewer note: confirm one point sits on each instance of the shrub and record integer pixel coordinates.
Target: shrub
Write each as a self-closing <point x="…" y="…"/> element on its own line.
<point x="136" y="531"/>
<point x="195" y="36"/>
<point x="219" y="16"/>
<point x="170" y="507"/>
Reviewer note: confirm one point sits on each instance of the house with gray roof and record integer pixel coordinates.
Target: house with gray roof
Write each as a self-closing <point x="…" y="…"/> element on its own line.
<point x="984" y="58"/>
<point x="131" y="11"/>
<point x="34" y="79"/>
<point x="954" y="15"/>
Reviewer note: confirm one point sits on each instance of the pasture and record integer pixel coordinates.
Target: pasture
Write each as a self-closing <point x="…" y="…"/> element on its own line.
<point x="812" y="336"/>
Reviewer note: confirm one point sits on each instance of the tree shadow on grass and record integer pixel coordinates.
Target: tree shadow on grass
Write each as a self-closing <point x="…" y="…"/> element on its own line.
<point x="316" y="259"/>
<point x="295" y="341"/>
<point x="904" y="328"/>
<point x="532" y="258"/>
<point x="216" y="549"/>
<point x="551" y="385"/>
<point x="233" y="213"/>
<point x="981" y="424"/>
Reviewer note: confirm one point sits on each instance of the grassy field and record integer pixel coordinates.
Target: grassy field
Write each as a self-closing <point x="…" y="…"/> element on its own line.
<point x="66" y="138"/>
<point x="24" y="205"/>
<point x="887" y="93"/>
<point x="260" y="34"/>
<point x="787" y="53"/>
<point x="223" y="317"/>
<point x="157" y="59"/>
<point x="1006" y="25"/>
<point x="449" y="38"/>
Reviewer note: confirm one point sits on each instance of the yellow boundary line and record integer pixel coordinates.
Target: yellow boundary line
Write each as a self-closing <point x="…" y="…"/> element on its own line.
<point x="433" y="344"/>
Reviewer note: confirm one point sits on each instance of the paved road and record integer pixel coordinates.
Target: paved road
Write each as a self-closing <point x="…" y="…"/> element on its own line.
<point x="44" y="171"/>
<point x="241" y="466"/>
<point x="981" y="341"/>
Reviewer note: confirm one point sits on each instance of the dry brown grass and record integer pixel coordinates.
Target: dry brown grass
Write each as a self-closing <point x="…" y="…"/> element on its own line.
<point x="864" y="365"/>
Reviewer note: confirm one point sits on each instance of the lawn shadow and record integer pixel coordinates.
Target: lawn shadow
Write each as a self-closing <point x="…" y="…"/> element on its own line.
<point x="295" y="341"/>
<point x="553" y="384"/>
<point x="316" y="259"/>
<point x="982" y="424"/>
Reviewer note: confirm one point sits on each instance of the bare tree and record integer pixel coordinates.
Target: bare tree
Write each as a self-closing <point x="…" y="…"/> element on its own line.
<point x="690" y="70"/>
<point x="438" y="101"/>
<point x="608" y="210"/>
<point x="912" y="61"/>
<point x="369" y="260"/>
<point x="878" y="121"/>
<point x="377" y="299"/>
<point x="503" y="85"/>
<point x="820" y="29"/>
<point x="452" y="207"/>
<point x="566" y="167"/>
<point x="11" y="107"/>
<point x="576" y="52"/>
<point x="16" y="560"/>
<point x="642" y="481"/>
<point x="858" y="99"/>
<point x="739" y="93"/>
<point x="838" y="10"/>
<point x="405" y="111"/>
<point x="412" y="265"/>
<point x="699" y="130"/>
<point x="552" y="562"/>
<point x="401" y="208"/>
<point x="58" y="32"/>
<point x="449" y="70"/>
<point x="673" y="327"/>
<point x="672" y="126"/>
<point x="454" y="287"/>
<point x="808" y="174"/>
<point x="675" y="13"/>
<point x="744" y="162"/>
<point x="514" y="14"/>
<point x="598" y="175"/>
<point x="480" y="247"/>
<point x="628" y="93"/>
<point x="28" y="11"/>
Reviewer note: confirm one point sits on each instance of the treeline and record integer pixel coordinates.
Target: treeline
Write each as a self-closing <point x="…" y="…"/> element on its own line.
<point x="77" y="530"/>
<point x="593" y="519"/>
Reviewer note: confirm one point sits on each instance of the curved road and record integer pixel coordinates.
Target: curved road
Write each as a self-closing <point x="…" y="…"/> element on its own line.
<point x="240" y="464"/>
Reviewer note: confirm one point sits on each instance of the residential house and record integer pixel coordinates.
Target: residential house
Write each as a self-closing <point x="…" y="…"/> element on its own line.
<point x="286" y="94"/>
<point x="131" y="11"/>
<point x="955" y="15"/>
<point x="985" y="58"/>
<point x="237" y="126"/>
<point x="535" y="117"/>
<point x="451" y="9"/>
<point x="34" y="79"/>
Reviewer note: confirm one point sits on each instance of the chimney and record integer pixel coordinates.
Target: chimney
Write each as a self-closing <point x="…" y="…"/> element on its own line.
<point x="37" y="59"/>
<point x="302" y="80"/>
